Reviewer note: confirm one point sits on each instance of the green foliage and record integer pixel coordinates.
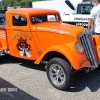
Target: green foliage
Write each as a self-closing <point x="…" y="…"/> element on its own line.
<point x="23" y="3"/>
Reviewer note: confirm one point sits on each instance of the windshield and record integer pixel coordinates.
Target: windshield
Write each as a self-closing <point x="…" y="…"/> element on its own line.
<point x="84" y="9"/>
<point x="44" y="18"/>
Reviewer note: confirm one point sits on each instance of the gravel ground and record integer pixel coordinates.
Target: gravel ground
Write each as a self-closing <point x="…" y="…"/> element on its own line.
<point x="22" y="80"/>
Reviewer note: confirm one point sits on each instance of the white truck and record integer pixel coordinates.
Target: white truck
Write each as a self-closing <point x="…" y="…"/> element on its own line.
<point x="13" y="7"/>
<point x="74" y="12"/>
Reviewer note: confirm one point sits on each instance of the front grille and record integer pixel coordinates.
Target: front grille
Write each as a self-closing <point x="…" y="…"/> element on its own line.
<point x="86" y="40"/>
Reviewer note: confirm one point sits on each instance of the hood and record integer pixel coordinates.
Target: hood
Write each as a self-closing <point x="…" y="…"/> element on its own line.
<point x="65" y="29"/>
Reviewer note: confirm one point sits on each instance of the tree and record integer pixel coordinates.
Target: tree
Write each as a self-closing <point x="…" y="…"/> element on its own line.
<point x="22" y="3"/>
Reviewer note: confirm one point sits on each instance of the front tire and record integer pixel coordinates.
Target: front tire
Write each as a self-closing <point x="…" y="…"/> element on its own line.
<point x="59" y="73"/>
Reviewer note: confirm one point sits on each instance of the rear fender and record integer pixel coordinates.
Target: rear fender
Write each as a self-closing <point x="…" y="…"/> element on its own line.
<point x="3" y="39"/>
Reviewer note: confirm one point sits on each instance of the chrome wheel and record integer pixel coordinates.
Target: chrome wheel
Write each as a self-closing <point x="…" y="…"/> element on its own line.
<point x="57" y="74"/>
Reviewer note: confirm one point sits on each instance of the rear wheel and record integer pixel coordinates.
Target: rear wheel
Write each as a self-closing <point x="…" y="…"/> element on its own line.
<point x="59" y="73"/>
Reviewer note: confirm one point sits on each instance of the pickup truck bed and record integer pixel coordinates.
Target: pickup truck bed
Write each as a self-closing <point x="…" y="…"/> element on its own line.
<point x="3" y="41"/>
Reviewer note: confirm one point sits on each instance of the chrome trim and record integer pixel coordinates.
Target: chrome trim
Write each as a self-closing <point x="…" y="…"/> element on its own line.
<point x="86" y="39"/>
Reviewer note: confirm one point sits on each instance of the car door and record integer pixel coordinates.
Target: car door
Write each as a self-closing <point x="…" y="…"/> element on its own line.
<point x="21" y="40"/>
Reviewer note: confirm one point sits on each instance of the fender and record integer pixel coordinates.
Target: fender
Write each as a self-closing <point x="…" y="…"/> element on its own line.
<point x="76" y="59"/>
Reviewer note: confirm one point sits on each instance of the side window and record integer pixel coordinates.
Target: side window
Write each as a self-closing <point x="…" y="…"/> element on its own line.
<point x="19" y="20"/>
<point x="86" y="9"/>
<point x="44" y="18"/>
<point x="52" y="18"/>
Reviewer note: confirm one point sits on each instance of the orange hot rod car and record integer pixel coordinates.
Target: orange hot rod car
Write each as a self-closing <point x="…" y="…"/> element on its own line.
<point x="40" y="35"/>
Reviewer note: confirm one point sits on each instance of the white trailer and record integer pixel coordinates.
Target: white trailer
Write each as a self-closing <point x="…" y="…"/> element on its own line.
<point x="59" y="5"/>
<point x="71" y="11"/>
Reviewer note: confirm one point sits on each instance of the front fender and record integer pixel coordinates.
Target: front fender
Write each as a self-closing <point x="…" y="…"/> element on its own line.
<point x="76" y="59"/>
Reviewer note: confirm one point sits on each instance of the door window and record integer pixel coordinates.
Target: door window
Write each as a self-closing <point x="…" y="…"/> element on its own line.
<point x="19" y="20"/>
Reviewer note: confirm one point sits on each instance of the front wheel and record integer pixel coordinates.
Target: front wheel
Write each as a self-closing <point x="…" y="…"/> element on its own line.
<point x="59" y="73"/>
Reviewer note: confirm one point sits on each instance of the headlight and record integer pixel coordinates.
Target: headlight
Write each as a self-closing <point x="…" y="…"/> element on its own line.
<point x="79" y="47"/>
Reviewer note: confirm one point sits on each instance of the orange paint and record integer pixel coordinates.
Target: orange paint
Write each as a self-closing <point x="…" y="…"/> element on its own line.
<point x="34" y="41"/>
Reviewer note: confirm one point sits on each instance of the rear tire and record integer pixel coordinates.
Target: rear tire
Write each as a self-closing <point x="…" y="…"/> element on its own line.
<point x="59" y="73"/>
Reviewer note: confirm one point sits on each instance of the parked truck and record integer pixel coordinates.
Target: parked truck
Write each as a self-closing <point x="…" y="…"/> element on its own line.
<point x="13" y="7"/>
<point x="75" y="12"/>
<point x="2" y="16"/>
<point x="39" y="35"/>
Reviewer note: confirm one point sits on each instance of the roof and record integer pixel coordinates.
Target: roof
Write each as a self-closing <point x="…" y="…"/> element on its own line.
<point x="32" y="11"/>
<point x="87" y="2"/>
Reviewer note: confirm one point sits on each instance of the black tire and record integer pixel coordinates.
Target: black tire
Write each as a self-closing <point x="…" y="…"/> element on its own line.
<point x="65" y="68"/>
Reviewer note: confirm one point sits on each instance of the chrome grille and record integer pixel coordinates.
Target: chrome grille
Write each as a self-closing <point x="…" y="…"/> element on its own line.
<point x="86" y="40"/>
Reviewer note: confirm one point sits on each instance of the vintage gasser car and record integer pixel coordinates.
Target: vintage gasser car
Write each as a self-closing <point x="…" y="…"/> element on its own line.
<point x="40" y="35"/>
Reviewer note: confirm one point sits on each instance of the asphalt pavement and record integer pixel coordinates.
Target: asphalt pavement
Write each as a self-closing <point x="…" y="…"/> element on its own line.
<point x="22" y="80"/>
